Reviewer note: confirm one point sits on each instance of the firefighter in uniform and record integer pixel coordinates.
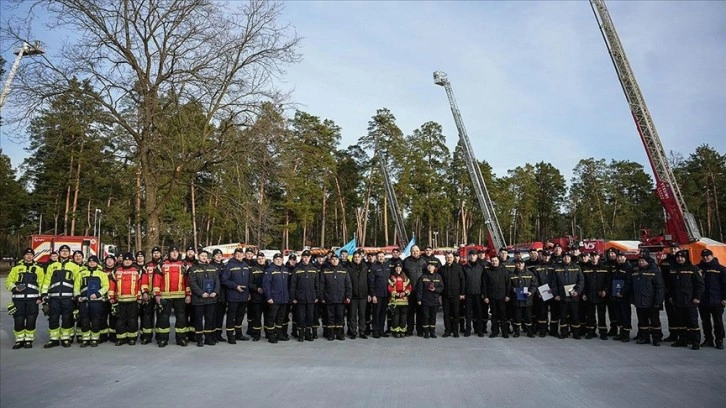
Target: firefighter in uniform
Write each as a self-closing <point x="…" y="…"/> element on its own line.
<point x="290" y="265"/>
<point x="378" y="291"/>
<point x="108" y="321"/>
<point x="220" y="306"/>
<point x="204" y="284"/>
<point x="148" y="306"/>
<point x="276" y="291"/>
<point x="78" y="260"/>
<point x="57" y="290"/>
<point x="454" y="286"/>
<point x="686" y="292"/>
<point x="542" y="271"/>
<point x="611" y="261"/>
<point x="495" y="290"/>
<point x="171" y="292"/>
<point x="125" y="295"/>
<point x="189" y="260"/>
<point x="235" y="282"/>
<point x="304" y="294"/>
<point x="714" y="300"/>
<point x="90" y="289"/>
<point x="524" y="284"/>
<point x="257" y="299"/>
<point x="23" y="282"/>
<point x="566" y="274"/>
<point x="335" y="293"/>
<point x="594" y="297"/>
<point x="399" y="288"/>
<point x="428" y="289"/>
<point x="647" y="290"/>
<point x="665" y="267"/>
<point x="619" y="274"/>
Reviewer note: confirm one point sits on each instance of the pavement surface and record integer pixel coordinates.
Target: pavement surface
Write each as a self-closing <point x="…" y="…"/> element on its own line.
<point x="386" y="372"/>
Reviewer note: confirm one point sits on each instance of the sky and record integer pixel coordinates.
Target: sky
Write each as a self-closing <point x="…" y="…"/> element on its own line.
<point x="533" y="80"/>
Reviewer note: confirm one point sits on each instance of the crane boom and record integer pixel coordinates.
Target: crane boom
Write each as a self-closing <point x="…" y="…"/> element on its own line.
<point x="680" y="224"/>
<point x="393" y="202"/>
<point x="482" y="193"/>
<point x="26" y="49"/>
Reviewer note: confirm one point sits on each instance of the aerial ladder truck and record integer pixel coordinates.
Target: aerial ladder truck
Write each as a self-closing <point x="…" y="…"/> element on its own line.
<point x="26" y="49"/>
<point x="496" y="238"/>
<point x="392" y="201"/>
<point x="680" y="225"/>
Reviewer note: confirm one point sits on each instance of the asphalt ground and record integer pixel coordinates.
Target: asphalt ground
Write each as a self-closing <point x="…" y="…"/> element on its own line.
<point x="386" y="372"/>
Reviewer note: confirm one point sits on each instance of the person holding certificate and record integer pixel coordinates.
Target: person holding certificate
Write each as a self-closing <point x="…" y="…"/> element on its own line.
<point x="524" y="284"/>
<point x="204" y="284"/>
<point x="569" y="283"/>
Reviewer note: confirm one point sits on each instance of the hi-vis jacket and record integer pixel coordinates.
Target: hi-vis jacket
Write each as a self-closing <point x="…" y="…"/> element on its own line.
<point x="31" y="275"/>
<point x="125" y="285"/>
<point x="59" y="279"/>
<point x="171" y="281"/>
<point x="87" y="275"/>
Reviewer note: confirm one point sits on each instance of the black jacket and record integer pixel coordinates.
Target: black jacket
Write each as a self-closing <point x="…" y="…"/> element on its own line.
<point x="378" y="279"/>
<point x="714" y="277"/>
<point x="305" y="285"/>
<point x="414" y="267"/>
<point x="619" y="272"/>
<point x="222" y="295"/>
<point x="542" y="271"/>
<point x="496" y="283"/>
<point x="473" y="278"/>
<point x="686" y="284"/>
<point x="335" y="286"/>
<point x="429" y="288"/>
<point x="203" y="278"/>
<point x="453" y="279"/>
<point x="645" y="287"/>
<point x="236" y="273"/>
<point x="258" y="272"/>
<point x="597" y="279"/>
<point x="359" y="279"/>
<point x="520" y="280"/>
<point x="568" y="274"/>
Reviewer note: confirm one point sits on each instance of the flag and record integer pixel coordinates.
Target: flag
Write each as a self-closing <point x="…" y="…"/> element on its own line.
<point x="407" y="251"/>
<point x="350" y="247"/>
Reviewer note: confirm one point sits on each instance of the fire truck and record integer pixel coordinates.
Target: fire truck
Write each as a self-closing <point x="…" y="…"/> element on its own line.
<point x="43" y="245"/>
<point x="680" y="225"/>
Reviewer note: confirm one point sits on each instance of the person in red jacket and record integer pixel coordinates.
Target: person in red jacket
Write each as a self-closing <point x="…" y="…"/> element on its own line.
<point x="399" y="286"/>
<point x="171" y="292"/>
<point x="125" y="295"/>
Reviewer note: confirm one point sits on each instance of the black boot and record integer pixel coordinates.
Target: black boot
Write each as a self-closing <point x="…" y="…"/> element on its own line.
<point x="656" y="335"/>
<point x="719" y="344"/>
<point x="505" y="330"/>
<point x="626" y="336"/>
<point x="530" y="331"/>
<point x="309" y="334"/>
<point x="51" y="344"/>
<point x="603" y="335"/>
<point x="564" y="332"/>
<point x="613" y="331"/>
<point x="232" y="338"/>
<point x="708" y="342"/>
<point x="341" y="334"/>
<point x="620" y="334"/>
<point x="516" y="331"/>
<point x="300" y="334"/>
<point x="18" y="345"/>
<point x="590" y="334"/>
<point x="554" y="330"/>
<point x="644" y="338"/>
<point x="200" y="340"/>
<point x="28" y="344"/>
<point x="432" y="332"/>
<point x="271" y="337"/>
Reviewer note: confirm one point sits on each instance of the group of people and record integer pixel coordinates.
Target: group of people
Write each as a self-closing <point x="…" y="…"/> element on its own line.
<point x="553" y="293"/>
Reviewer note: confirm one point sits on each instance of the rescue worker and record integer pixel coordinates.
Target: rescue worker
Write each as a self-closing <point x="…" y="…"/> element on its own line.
<point x="257" y="297"/>
<point x="399" y="288"/>
<point x="542" y="271"/>
<point x="335" y="292"/>
<point x="171" y="293"/>
<point x="687" y="288"/>
<point x="90" y="288"/>
<point x="619" y="274"/>
<point x="568" y="274"/>
<point x="508" y="263"/>
<point x="714" y="300"/>
<point x="665" y="267"/>
<point x="594" y="297"/>
<point x="235" y="281"/>
<point x="647" y="290"/>
<point x="495" y="290"/>
<point x="430" y="257"/>
<point x="304" y="294"/>
<point x="148" y="306"/>
<point x="611" y="256"/>
<point x="57" y="291"/>
<point x="290" y="265"/>
<point x="125" y="295"/>
<point x="378" y="291"/>
<point x="204" y="284"/>
<point x="220" y="306"/>
<point x="473" y="284"/>
<point x="24" y="282"/>
<point x="523" y="283"/>
<point x="483" y="260"/>
<point x="276" y="291"/>
<point x="189" y="260"/>
<point x="108" y="321"/>
<point x="454" y="288"/>
<point x="414" y="266"/>
<point x="429" y="288"/>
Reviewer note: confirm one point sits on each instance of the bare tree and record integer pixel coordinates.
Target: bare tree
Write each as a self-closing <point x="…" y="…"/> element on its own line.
<point x="223" y="57"/>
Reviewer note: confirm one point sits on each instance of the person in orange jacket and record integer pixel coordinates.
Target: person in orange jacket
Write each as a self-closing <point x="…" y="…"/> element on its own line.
<point x="125" y="295"/>
<point x="399" y="287"/>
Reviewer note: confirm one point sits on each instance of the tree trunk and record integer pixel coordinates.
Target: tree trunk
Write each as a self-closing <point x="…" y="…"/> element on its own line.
<point x="385" y="218"/>
<point x="137" y="210"/>
<point x="76" y="190"/>
<point x="342" y="209"/>
<point x="322" y="218"/>
<point x="151" y="190"/>
<point x="68" y="196"/>
<point x="194" y="213"/>
<point x="286" y="231"/>
<point x="88" y="218"/>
